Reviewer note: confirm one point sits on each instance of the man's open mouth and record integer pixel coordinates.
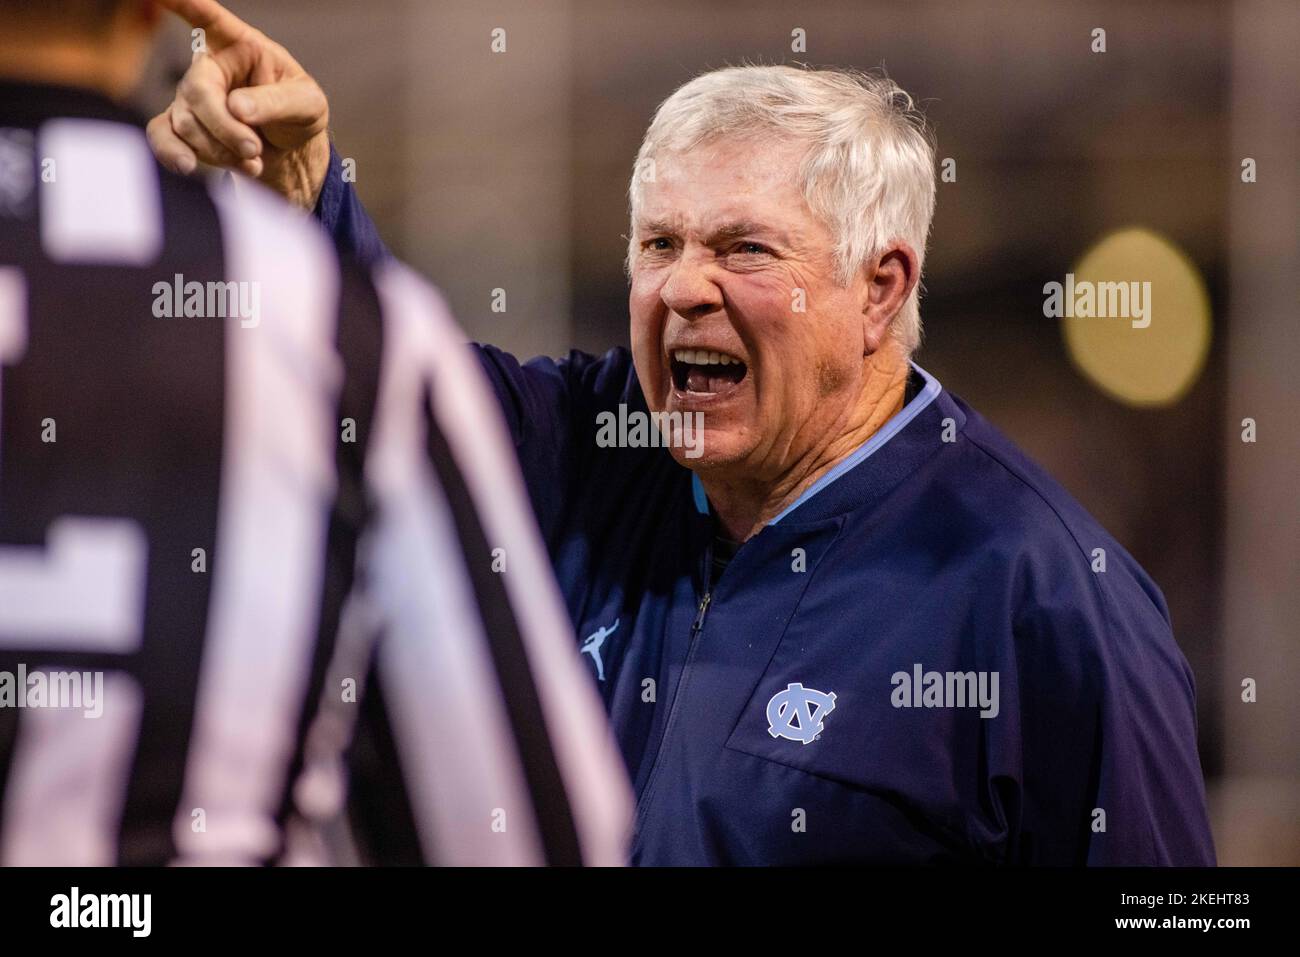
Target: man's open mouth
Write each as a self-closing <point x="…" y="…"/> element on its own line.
<point x="705" y="372"/>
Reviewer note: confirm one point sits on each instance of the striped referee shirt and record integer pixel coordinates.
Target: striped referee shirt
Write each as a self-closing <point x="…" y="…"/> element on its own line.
<point x="269" y="587"/>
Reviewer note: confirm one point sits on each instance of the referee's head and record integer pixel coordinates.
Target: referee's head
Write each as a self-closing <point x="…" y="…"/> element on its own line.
<point x="92" y="43"/>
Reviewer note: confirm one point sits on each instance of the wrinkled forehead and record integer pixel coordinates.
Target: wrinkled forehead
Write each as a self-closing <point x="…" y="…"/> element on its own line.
<point x="731" y="179"/>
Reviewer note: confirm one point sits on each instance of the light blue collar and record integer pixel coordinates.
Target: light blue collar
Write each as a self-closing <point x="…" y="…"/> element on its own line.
<point x="856" y="457"/>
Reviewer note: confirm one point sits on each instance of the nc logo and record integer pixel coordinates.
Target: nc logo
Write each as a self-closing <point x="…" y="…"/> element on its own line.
<point x="797" y="713"/>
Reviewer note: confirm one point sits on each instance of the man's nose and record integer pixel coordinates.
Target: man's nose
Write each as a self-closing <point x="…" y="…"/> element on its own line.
<point x="689" y="290"/>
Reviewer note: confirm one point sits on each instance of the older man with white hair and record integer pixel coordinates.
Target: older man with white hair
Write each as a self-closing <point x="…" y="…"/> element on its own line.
<point x="840" y="618"/>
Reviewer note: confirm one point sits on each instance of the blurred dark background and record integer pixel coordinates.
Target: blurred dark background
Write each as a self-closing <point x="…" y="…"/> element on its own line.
<point x="509" y="170"/>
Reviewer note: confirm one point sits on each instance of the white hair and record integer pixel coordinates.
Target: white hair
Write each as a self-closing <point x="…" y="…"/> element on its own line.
<point x="868" y="173"/>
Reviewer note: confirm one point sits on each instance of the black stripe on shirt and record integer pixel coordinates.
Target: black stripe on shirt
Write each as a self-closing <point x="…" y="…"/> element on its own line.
<point x="359" y="340"/>
<point x="139" y="406"/>
<point x="541" y="772"/>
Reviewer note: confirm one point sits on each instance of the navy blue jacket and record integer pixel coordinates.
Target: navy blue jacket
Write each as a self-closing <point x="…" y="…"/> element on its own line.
<point x="816" y="703"/>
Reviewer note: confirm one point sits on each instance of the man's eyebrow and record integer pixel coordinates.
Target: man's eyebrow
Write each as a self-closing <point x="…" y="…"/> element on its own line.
<point x="735" y="230"/>
<point x="722" y="234"/>
<point x="657" y="226"/>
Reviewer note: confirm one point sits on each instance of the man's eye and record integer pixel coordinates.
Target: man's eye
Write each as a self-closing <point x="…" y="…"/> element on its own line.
<point x="658" y="244"/>
<point x="751" y="249"/>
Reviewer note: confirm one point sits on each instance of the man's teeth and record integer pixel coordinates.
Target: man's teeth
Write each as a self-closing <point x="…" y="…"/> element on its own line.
<point x="701" y="357"/>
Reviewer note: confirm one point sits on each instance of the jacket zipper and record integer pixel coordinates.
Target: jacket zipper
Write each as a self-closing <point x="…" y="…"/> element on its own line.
<point x="699" y="616"/>
<point x="696" y="628"/>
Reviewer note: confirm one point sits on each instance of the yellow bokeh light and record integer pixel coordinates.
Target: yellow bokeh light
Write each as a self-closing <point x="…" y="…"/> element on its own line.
<point x="1136" y="318"/>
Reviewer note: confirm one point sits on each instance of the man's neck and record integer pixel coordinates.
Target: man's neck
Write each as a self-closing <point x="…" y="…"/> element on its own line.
<point x="66" y="62"/>
<point x="743" y="508"/>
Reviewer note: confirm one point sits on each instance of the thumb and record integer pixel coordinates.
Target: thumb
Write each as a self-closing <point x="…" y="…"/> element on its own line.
<point x="297" y="108"/>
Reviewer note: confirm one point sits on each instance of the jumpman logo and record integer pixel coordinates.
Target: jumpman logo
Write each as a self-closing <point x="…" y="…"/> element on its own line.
<point x="591" y="646"/>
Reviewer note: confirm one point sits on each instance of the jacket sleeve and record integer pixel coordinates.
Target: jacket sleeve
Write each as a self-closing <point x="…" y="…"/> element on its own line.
<point x="341" y="214"/>
<point x="1108" y="726"/>
<point x="1148" y="776"/>
<point x="550" y="408"/>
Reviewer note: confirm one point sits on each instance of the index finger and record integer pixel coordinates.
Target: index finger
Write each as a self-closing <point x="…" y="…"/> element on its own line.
<point x="222" y="25"/>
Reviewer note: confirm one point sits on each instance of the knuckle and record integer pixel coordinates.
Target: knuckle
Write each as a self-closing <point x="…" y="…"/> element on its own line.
<point x="243" y="51"/>
<point x="183" y="124"/>
<point x="163" y="145"/>
<point x="185" y="88"/>
<point x="200" y="82"/>
<point x="199" y="96"/>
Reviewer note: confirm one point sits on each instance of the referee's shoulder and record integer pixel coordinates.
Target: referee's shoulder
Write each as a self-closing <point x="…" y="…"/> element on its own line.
<point x="248" y="209"/>
<point x="284" y="249"/>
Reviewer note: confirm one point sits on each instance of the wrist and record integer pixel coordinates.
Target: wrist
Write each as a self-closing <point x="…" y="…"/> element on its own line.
<point x="318" y="164"/>
<point x="300" y="176"/>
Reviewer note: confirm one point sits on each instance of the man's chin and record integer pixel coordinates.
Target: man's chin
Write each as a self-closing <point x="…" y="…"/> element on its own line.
<point x="708" y="451"/>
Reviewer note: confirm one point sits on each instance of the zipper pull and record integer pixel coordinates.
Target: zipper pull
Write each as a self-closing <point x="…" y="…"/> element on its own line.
<point x="704" y="607"/>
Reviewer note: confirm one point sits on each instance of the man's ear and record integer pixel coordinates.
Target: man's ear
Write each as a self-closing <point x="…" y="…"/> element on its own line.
<point x="890" y="279"/>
